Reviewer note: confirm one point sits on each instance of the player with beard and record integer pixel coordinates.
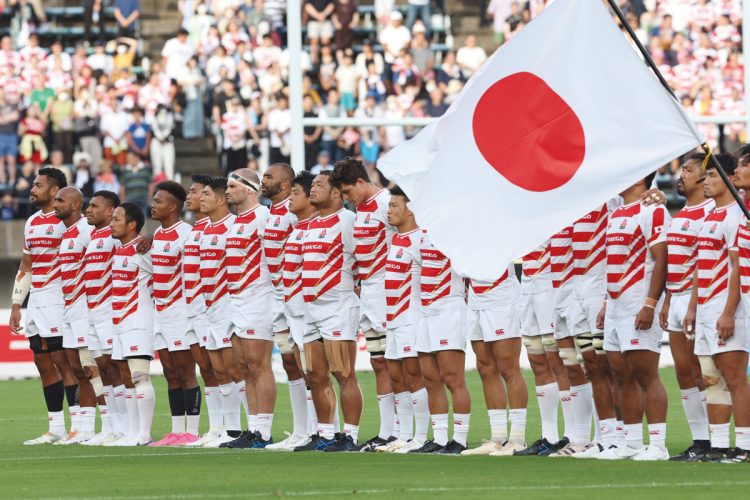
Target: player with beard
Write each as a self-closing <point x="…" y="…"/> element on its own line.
<point x="682" y="247"/>
<point x="75" y="240"/>
<point x="39" y="278"/>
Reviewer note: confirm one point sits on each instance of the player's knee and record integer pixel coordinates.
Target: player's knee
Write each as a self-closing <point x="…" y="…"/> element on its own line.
<point x="598" y="342"/>
<point x="549" y="343"/>
<point x="717" y="391"/>
<point x="375" y="343"/>
<point x="534" y="345"/>
<point x="569" y="356"/>
<point x="98" y="386"/>
<point x="282" y="342"/>
<point x="139" y="369"/>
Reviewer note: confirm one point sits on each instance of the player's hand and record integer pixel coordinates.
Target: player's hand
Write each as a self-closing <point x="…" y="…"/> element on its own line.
<point x="688" y="324"/>
<point x="725" y="326"/>
<point x="144" y="245"/>
<point x="664" y="315"/>
<point x="357" y="290"/>
<point x="600" y="317"/>
<point x="645" y="318"/>
<point x="653" y="197"/>
<point x="15" y="320"/>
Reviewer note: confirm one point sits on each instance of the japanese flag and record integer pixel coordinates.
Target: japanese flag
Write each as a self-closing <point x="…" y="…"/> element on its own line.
<point x="560" y="119"/>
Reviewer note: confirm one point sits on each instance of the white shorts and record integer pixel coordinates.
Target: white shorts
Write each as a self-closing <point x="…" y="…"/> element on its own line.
<point x="372" y="314"/>
<point x="45" y="321"/>
<point x="564" y="321"/>
<point x="318" y="29"/>
<point x="200" y="328"/>
<point x="297" y="331"/>
<point x="343" y="326"/>
<point x="219" y="336"/>
<point x="444" y="331"/>
<point x="586" y="310"/>
<point x="678" y="306"/>
<point x="75" y="335"/>
<point x="489" y="325"/>
<point x="280" y="324"/>
<point x="620" y="335"/>
<point x="400" y="342"/>
<point x="117" y="353"/>
<point x="536" y="313"/>
<point x="136" y="343"/>
<point x="712" y="345"/>
<point x="171" y="332"/>
<point x="253" y="320"/>
<point x="100" y="336"/>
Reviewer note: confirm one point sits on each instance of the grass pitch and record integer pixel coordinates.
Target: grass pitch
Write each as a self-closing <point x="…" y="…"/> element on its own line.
<point x="78" y="472"/>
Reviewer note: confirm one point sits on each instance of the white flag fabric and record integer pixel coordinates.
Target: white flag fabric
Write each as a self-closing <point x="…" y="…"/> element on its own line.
<point x="558" y="120"/>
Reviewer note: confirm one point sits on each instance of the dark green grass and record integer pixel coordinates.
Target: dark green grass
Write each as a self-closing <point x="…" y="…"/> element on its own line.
<point x="78" y="472"/>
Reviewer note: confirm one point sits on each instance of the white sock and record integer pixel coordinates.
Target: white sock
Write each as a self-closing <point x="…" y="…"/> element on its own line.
<point x="75" y="418"/>
<point x="56" y="422"/>
<point x="193" y="424"/>
<point x="352" y="430"/>
<point x="120" y="417"/>
<point x="264" y="422"/>
<point x="131" y="402"/>
<point x="440" y="428"/>
<point x="695" y="411"/>
<point x="620" y="433"/>
<point x="498" y="425"/>
<point x="312" y="416"/>
<point x="387" y="406"/>
<point x="421" y="414"/>
<point x="634" y="435"/>
<point x="215" y="413"/>
<point x="548" y="396"/>
<point x="517" y="417"/>
<point x="230" y="406"/>
<point x="252" y="423"/>
<point x="106" y="417"/>
<point x="178" y="424"/>
<point x="299" y="406"/>
<point x="657" y="435"/>
<point x="566" y="403"/>
<point x="742" y="438"/>
<point x="719" y="435"/>
<point x="608" y="431"/>
<point x="405" y="413"/>
<point x="597" y="427"/>
<point x="461" y="427"/>
<point x="242" y="390"/>
<point x="88" y="419"/>
<point x="583" y="411"/>
<point x="325" y="430"/>
<point x="336" y="418"/>
<point x="396" y="422"/>
<point x="146" y="401"/>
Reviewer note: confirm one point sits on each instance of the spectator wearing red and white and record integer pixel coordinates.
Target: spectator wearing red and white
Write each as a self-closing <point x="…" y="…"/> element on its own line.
<point x="176" y="54"/>
<point x="732" y="8"/>
<point x="56" y="52"/>
<point x="706" y="105"/>
<point x="9" y="60"/>
<point x="703" y="15"/>
<point x="279" y="128"/>
<point x="234" y="127"/>
<point x="470" y="57"/>
<point x="218" y="60"/>
<point x="32" y="49"/>
<point x="233" y="37"/>
<point x="684" y="73"/>
<point x="725" y="33"/>
<point x="151" y="95"/>
<point x="394" y="37"/>
<point x="100" y="60"/>
<point x="266" y="54"/>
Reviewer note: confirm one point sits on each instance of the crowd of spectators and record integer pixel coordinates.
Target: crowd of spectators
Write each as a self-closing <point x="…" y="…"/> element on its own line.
<point x="109" y="123"/>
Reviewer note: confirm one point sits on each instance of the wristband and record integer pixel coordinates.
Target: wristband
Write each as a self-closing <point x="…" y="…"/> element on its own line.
<point x="21" y="287"/>
<point x="649" y="306"/>
<point x="650" y="301"/>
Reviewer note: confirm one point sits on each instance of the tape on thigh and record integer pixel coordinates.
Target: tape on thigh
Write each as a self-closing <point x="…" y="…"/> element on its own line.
<point x="533" y="345"/>
<point x="717" y="392"/>
<point x="569" y="356"/>
<point x="585" y="342"/>
<point x="282" y="342"/>
<point x="598" y="341"/>
<point x="139" y="369"/>
<point x="375" y="343"/>
<point x="338" y="356"/>
<point x="549" y="343"/>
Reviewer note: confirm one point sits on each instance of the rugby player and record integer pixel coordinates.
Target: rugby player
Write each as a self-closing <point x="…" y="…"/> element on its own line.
<point x="682" y="247"/>
<point x="636" y="274"/>
<point x="68" y="205"/>
<point x="97" y="274"/>
<point x="331" y="315"/>
<point x="173" y="339"/>
<point x="372" y="235"/>
<point x="276" y="185"/>
<point x="251" y="311"/>
<point x="133" y="318"/>
<point x="38" y="278"/>
<point x="402" y="288"/>
<point x="213" y="271"/>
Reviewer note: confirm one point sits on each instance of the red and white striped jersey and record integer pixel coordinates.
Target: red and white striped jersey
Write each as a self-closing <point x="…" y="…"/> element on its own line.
<point x="214" y="268"/>
<point x="97" y="274"/>
<point x="633" y="229"/>
<point x="682" y="245"/>
<point x="167" y="253"/>
<point x="743" y="248"/>
<point x="42" y="236"/>
<point x="494" y="295"/>
<point x="132" y="305"/>
<point x="328" y="265"/>
<point x="536" y="273"/>
<point x="75" y="240"/>
<point x="372" y="234"/>
<point x="294" y="302"/>
<point x="438" y="280"/>
<point x="402" y="279"/>
<point x="717" y="236"/>
<point x="279" y="226"/>
<point x="589" y="253"/>
<point x="191" y="270"/>
<point x="562" y="266"/>
<point x="247" y="272"/>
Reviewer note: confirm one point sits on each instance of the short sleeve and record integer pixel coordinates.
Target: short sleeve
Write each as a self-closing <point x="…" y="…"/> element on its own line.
<point x="655" y="226"/>
<point x="731" y="232"/>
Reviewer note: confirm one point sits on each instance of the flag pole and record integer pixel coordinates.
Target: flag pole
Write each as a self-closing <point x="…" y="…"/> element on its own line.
<point x="650" y="62"/>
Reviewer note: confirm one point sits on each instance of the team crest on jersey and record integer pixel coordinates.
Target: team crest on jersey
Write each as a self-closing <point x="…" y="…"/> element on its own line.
<point x="241" y="229"/>
<point x="71" y="244"/>
<point x="197" y="237"/>
<point x="167" y="246"/>
<point x="322" y="234"/>
<point x="712" y="230"/>
<point x="125" y="262"/>
<point x="100" y="244"/>
<point x="400" y="253"/>
<point x="277" y="221"/>
<point x="299" y="236"/>
<point x="215" y="240"/>
<point x="50" y="230"/>
<point x="685" y="226"/>
<point x="623" y="224"/>
<point x="367" y="219"/>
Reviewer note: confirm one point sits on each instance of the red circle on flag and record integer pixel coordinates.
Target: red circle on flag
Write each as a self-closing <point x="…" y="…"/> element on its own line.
<point x="528" y="133"/>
